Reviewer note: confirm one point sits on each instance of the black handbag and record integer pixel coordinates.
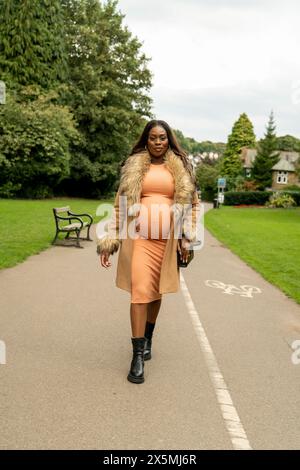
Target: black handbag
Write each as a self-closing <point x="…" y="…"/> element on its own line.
<point x="184" y="264"/>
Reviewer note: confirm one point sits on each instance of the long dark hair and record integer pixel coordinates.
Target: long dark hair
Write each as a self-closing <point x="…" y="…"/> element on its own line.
<point x="141" y="144"/>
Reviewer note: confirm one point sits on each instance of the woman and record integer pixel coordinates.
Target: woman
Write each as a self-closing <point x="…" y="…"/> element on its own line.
<point x="157" y="174"/>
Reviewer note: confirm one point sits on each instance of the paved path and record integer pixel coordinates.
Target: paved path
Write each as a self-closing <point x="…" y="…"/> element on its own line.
<point x="221" y="375"/>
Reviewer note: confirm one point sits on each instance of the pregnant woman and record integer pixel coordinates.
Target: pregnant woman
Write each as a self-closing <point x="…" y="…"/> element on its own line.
<point x="155" y="178"/>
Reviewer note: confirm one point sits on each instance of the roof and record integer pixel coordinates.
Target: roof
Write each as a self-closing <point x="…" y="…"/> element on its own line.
<point x="284" y="165"/>
<point x="248" y="157"/>
<point x="286" y="161"/>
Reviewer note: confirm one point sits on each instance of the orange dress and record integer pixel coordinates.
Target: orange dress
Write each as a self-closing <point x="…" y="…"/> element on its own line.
<point x="153" y="226"/>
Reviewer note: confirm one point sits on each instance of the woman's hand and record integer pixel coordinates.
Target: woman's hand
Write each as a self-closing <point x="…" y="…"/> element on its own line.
<point x="183" y="245"/>
<point x="104" y="259"/>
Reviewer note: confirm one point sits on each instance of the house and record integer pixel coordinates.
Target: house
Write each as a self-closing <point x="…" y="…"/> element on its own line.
<point x="283" y="172"/>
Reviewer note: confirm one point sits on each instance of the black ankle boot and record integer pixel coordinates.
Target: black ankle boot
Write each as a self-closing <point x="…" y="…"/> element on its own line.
<point x="136" y="373"/>
<point x="148" y="344"/>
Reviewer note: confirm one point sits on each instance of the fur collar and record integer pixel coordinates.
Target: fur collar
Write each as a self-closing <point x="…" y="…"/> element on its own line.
<point x="137" y="165"/>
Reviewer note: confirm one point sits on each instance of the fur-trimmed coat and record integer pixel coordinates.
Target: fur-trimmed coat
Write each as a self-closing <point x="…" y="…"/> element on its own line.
<point x="132" y="174"/>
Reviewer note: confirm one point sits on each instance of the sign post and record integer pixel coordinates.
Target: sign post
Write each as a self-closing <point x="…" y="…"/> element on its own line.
<point x="221" y="187"/>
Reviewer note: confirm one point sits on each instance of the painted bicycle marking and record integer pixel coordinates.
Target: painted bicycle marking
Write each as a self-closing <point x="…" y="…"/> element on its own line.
<point x="230" y="289"/>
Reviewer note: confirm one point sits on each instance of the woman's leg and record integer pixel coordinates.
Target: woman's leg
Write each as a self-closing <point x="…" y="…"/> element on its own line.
<point x="138" y="317"/>
<point x="153" y="310"/>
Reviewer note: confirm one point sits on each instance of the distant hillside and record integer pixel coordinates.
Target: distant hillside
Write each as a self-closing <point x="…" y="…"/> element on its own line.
<point x="289" y="143"/>
<point x="190" y="145"/>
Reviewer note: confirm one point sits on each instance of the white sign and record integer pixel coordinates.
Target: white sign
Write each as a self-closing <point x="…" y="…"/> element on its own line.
<point x="221" y="198"/>
<point x="2" y="92"/>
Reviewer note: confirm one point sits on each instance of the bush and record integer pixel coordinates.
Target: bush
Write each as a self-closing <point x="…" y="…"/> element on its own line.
<point x="280" y="200"/>
<point x="8" y="190"/>
<point x="292" y="187"/>
<point x="235" y="198"/>
<point x="244" y="184"/>
<point x="34" y="145"/>
<point x="294" y="194"/>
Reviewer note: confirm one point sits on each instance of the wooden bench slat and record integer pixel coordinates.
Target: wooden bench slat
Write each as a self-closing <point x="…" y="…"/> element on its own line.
<point x="73" y="226"/>
<point x="61" y="209"/>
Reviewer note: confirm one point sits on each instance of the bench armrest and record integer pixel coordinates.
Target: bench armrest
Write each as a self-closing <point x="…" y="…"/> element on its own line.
<point x="70" y="219"/>
<point x="80" y="215"/>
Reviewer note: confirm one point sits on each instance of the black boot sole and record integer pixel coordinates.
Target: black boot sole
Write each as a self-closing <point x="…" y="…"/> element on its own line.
<point x="135" y="380"/>
<point x="147" y="357"/>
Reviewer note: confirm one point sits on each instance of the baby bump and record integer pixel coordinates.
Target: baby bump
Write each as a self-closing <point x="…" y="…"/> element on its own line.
<point x="155" y="217"/>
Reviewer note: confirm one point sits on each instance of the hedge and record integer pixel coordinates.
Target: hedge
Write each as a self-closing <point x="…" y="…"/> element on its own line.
<point x="235" y="198"/>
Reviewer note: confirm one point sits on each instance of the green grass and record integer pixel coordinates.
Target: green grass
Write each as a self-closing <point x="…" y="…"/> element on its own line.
<point x="27" y="226"/>
<point x="266" y="239"/>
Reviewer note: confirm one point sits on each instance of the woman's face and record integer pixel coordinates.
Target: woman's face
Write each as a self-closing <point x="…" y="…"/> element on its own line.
<point x="158" y="142"/>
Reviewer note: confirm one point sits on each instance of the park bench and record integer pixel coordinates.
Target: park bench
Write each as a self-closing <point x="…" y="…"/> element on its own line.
<point x="72" y="226"/>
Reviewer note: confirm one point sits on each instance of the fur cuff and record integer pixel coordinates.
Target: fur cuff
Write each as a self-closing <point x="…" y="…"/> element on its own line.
<point x="110" y="245"/>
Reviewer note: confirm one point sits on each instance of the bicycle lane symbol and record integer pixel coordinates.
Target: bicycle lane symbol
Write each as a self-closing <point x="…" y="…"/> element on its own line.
<point x="231" y="289"/>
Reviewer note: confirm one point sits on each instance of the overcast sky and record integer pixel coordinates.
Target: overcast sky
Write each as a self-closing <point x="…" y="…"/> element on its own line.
<point x="214" y="59"/>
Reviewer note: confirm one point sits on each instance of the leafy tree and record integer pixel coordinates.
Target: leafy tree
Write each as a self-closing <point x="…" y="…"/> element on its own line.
<point x="244" y="184"/>
<point x="207" y="177"/>
<point x="267" y="156"/>
<point x="79" y="58"/>
<point x="34" y="145"/>
<point x="242" y="135"/>
<point x="184" y="142"/>
<point x="32" y="43"/>
<point x="288" y="143"/>
<point x="108" y="86"/>
<point x="193" y="147"/>
<point x="208" y="146"/>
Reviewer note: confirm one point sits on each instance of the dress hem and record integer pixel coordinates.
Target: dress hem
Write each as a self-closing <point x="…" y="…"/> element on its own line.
<point x="147" y="301"/>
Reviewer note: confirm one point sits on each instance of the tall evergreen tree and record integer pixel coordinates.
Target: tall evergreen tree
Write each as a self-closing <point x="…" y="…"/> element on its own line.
<point x="32" y="43"/>
<point x="109" y="81"/>
<point x="267" y="156"/>
<point x="242" y="135"/>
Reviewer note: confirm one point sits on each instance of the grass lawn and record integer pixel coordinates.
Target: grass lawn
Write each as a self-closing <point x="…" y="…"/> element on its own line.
<point x="267" y="239"/>
<point x="28" y="227"/>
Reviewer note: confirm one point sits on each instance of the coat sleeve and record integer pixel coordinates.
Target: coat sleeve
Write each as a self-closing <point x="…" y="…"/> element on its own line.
<point x="191" y="219"/>
<point x="109" y="242"/>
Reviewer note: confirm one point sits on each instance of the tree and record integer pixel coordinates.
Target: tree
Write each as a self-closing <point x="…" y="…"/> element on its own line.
<point x="242" y="135"/>
<point x="32" y="43"/>
<point x="193" y="147"/>
<point x="207" y="177"/>
<point x="79" y="58"/>
<point x="267" y="156"/>
<point x="288" y="143"/>
<point x="34" y="144"/>
<point x="109" y="82"/>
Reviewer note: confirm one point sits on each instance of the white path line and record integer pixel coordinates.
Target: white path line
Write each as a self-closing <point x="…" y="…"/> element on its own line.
<point x="230" y="416"/>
